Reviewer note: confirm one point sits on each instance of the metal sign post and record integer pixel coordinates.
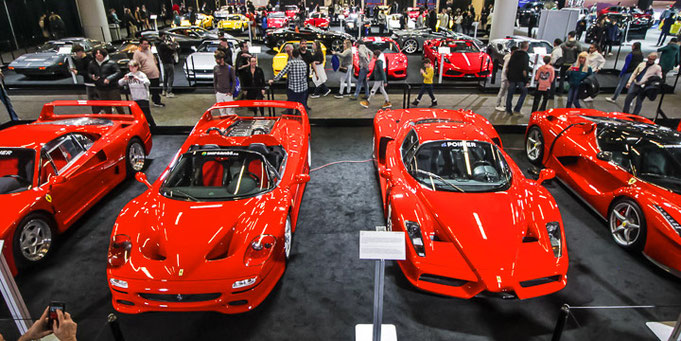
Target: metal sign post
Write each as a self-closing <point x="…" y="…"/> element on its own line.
<point x="12" y="295"/>
<point x="379" y="245"/>
<point x="475" y="33"/>
<point x="442" y="51"/>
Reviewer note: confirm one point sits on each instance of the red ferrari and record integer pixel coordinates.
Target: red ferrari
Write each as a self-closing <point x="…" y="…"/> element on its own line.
<point x="438" y="171"/>
<point x="464" y="60"/>
<point x="53" y="170"/>
<point x="276" y="20"/>
<point x="291" y="11"/>
<point x="394" y="61"/>
<point x="214" y="231"/>
<point x="624" y="167"/>
<point x="317" y="20"/>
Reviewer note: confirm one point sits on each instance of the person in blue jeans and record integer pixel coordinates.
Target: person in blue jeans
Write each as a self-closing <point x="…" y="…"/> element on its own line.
<point x="365" y="55"/>
<point x="634" y="58"/>
<point x="576" y="74"/>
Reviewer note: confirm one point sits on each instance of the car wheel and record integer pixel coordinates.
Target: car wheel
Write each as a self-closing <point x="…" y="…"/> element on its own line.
<point x="337" y="45"/>
<point x="410" y="46"/>
<point x="33" y="239"/>
<point x="288" y="238"/>
<point x="534" y="146"/>
<point x="627" y="225"/>
<point x="135" y="156"/>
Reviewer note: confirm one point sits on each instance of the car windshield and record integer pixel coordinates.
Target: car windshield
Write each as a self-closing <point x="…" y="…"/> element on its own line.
<point x="208" y="47"/>
<point x="55" y="47"/>
<point x="461" y="46"/>
<point x="234" y="17"/>
<point x="219" y="174"/>
<point x="16" y="169"/>
<point x="460" y="166"/>
<point x="383" y="46"/>
<point x="291" y="8"/>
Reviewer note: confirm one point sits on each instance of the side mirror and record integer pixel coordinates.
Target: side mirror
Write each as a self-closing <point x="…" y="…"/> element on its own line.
<point x="58" y="179"/>
<point x="604" y="156"/>
<point x="194" y="48"/>
<point x="301" y="179"/>
<point x="588" y="127"/>
<point x="545" y="175"/>
<point x="141" y="177"/>
<point x="386" y="174"/>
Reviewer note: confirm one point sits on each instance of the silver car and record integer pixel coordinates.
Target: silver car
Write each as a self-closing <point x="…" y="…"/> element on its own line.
<point x="199" y="65"/>
<point x="52" y="58"/>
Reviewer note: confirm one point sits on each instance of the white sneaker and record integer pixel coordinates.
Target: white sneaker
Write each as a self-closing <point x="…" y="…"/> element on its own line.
<point x="170" y="95"/>
<point x="610" y="99"/>
<point x="588" y="99"/>
<point x="500" y="108"/>
<point x="163" y="93"/>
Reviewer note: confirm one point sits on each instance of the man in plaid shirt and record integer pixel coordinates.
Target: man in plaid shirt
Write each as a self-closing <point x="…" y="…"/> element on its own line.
<point x="296" y="69"/>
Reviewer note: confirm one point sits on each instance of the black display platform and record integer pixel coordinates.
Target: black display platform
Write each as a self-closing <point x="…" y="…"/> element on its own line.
<point x="326" y="289"/>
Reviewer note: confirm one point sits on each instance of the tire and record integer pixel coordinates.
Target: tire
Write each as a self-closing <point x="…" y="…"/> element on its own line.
<point x="33" y="240"/>
<point x="627" y="225"/>
<point x="288" y="238"/>
<point x="336" y="45"/>
<point x="135" y="157"/>
<point x="410" y="46"/>
<point x="534" y="146"/>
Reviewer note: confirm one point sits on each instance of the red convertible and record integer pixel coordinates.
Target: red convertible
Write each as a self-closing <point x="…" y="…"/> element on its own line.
<point x="214" y="231"/>
<point x="317" y="20"/>
<point x="439" y="171"/>
<point x="276" y="20"/>
<point x="624" y="167"/>
<point x="54" y="169"/>
<point x="464" y="60"/>
<point x="394" y="61"/>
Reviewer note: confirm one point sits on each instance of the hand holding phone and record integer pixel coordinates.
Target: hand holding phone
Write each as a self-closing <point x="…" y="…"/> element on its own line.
<point x="52" y="312"/>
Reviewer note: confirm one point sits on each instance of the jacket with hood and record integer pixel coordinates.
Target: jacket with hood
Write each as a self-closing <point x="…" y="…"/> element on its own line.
<point x="106" y="69"/>
<point x="570" y="49"/>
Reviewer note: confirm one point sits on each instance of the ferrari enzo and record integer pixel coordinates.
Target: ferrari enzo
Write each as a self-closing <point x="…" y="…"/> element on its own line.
<point x="626" y="168"/>
<point x="281" y="58"/>
<point x="214" y="232"/>
<point x="56" y="168"/>
<point x="432" y="161"/>
<point x="394" y="61"/>
<point x="333" y="39"/>
<point x="464" y="60"/>
<point x="52" y="58"/>
<point x="411" y="41"/>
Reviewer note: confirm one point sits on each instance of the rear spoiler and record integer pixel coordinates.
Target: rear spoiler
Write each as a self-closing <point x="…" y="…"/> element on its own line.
<point x="47" y="113"/>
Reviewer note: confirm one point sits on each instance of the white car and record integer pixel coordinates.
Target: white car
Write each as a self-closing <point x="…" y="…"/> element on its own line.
<point x="199" y="65"/>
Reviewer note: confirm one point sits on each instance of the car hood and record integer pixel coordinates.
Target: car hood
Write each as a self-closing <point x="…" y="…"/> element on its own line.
<point x="40" y="57"/>
<point x="201" y="60"/>
<point x="172" y="239"/>
<point x="471" y="61"/>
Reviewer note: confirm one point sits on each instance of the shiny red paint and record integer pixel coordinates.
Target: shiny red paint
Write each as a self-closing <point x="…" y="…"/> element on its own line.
<point x="292" y="11"/>
<point x="276" y="22"/>
<point x="458" y="64"/>
<point x="413" y="12"/>
<point x="187" y="232"/>
<point x="317" y="22"/>
<point x="600" y="183"/>
<point x="65" y="196"/>
<point x="396" y="63"/>
<point x="472" y="246"/>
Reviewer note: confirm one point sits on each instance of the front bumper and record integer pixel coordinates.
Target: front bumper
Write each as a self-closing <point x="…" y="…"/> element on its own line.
<point x="39" y="70"/>
<point x="209" y="295"/>
<point x="397" y="73"/>
<point x="451" y="72"/>
<point x="201" y="75"/>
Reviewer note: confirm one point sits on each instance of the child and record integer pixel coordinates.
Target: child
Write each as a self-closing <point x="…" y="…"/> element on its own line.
<point x="379" y="80"/>
<point x="138" y="83"/>
<point x="576" y="74"/>
<point x="427" y="72"/>
<point x="544" y="77"/>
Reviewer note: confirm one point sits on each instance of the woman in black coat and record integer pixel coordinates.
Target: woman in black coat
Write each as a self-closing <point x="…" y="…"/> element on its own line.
<point x="253" y="84"/>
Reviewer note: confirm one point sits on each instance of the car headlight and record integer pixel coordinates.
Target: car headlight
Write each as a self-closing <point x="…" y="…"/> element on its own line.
<point x="119" y="250"/>
<point x="119" y="283"/>
<point x="414" y="232"/>
<point x="668" y="217"/>
<point x="259" y="250"/>
<point x="244" y="283"/>
<point x="553" y="229"/>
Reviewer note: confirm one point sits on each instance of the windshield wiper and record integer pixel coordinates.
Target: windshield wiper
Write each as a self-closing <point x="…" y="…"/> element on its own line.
<point x="185" y="194"/>
<point x="442" y="180"/>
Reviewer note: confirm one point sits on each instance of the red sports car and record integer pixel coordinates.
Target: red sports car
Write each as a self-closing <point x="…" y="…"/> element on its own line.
<point x="318" y="20"/>
<point x="413" y="12"/>
<point x="276" y="20"/>
<point x="394" y="61"/>
<point x="625" y="167"/>
<point x="53" y="170"/>
<point x="291" y="11"/>
<point x="214" y="231"/>
<point x="464" y="60"/>
<point x="439" y="171"/>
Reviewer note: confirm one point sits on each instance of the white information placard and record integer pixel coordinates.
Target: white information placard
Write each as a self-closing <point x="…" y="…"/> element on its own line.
<point x="540" y="51"/>
<point x="443" y="50"/>
<point x="382" y="245"/>
<point x="255" y="49"/>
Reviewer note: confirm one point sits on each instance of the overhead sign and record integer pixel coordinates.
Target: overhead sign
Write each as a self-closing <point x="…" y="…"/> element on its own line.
<point x="382" y="245"/>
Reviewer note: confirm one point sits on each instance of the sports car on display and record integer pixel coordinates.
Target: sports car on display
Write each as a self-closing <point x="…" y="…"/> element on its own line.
<point x="281" y="58"/>
<point x="411" y="41"/>
<point x="394" y="61"/>
<point x="291" y="11"/>
<point x="438" y="172"/>
<point x="186" y="37"/>
<point x="498" y="48"/>
<point x="234" y="22"/>
<point x="199" y="65"/>
<point x="333" y="39"/>
<point x="626" y="168"/>
<point x="221" y="13"/>
<point x="214" y="231"/>
<point x="317" y="20"/>
<point x="52" y="58"/>
<point x="277" y="20"/>
<point x="464" y="60"/>
<point x="55" y="169"/>
<point x="202" y="20"/>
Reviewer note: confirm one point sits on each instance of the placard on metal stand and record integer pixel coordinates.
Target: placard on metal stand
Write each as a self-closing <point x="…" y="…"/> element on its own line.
<point x="380" y="245"/>
<point x="442" y="50"/>
<point x="12" y="295"/>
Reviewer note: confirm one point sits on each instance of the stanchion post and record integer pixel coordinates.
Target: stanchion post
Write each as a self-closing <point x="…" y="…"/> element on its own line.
<point x="378" y="298"/>
<point x="12" y="295"/>
<point x="442" y="60"/>
<point x="115" y="327"/>
<point x="560" y="324"/>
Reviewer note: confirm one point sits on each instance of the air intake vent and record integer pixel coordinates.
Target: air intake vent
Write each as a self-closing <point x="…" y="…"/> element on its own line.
<point x="179" y="298"/>
<point x="452" y="282"/>
<point x="540" y="281"/>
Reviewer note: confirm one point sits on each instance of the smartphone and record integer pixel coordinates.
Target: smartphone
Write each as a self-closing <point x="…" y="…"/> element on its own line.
<point x="52" y="312"/>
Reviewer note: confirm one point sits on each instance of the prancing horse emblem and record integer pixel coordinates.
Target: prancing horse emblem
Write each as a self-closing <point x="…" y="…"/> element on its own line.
<point x="179" y="297"/>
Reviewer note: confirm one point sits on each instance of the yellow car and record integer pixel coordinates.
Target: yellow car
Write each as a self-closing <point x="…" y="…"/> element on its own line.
<point x="202" y="20"/>
<point x="234" y="22"/>
<point x="281" y="58"/>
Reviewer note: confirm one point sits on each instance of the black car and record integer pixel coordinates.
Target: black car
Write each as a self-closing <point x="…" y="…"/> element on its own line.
<point x="637" y="27"/>
<point x="186" y="37"/>
<point x="332" y="39"/>
<point x="411" y="41"/>
<point x="52" y="58"/>
<point x="529" y="11"/>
